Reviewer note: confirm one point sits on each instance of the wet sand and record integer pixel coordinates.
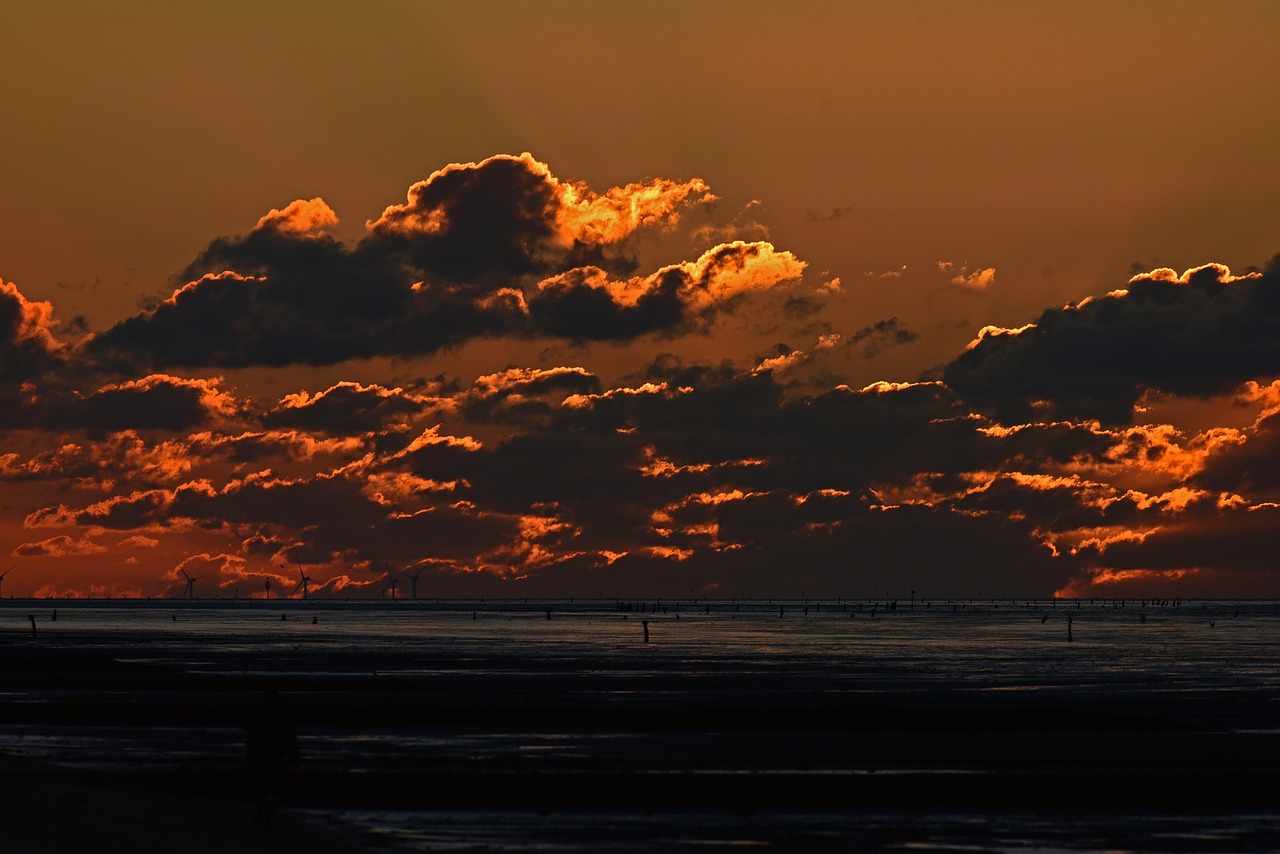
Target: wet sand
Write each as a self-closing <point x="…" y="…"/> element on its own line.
<point x="519" y="736"/>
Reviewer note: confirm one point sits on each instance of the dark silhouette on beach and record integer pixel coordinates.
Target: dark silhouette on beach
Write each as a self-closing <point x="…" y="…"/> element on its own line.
<point x="271" y="743"/>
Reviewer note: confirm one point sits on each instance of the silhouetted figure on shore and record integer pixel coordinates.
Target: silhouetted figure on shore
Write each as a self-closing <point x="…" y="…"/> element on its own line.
<point x="271" y="743"/>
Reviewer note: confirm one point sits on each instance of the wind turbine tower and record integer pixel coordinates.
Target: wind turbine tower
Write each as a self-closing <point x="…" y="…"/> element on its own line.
<point x="15" y="566"/>
<point x="413" y="580"/>
<point x="303" y="581"/>
<point x="189" y="592"/>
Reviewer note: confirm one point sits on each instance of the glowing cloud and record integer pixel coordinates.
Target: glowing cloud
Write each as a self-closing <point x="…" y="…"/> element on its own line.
<point x="301" y="217"/>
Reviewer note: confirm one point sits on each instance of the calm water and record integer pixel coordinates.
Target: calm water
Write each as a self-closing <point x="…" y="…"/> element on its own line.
<point x="708" y="651"/>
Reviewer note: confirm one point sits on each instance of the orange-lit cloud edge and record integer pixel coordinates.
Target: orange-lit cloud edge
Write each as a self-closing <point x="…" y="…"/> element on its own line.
<point x="1034" y="463"/>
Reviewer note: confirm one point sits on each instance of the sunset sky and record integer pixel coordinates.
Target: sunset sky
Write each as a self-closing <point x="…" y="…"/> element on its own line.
<point x="655" y="299"/>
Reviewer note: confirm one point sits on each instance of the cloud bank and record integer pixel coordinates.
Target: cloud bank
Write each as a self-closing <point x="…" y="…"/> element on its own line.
<point x="1047" y="457"/>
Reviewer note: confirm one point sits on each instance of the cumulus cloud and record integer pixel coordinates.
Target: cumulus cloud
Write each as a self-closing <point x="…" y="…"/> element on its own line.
<point x="507" y="216"/>
<point x="28" y="349"/>
<point x="491" y="249"/>
<point x="25" y="328"/>
<point x="962" y="277"/>
<point x="587" y="304"/>
<point x="59" y="546"/>
<point x="1040" y="458"/>
<point x="300" y="217"/>
<point x="348" y="407"/>
<point x="155" y="402"/>
<point x="1196" y="334"/>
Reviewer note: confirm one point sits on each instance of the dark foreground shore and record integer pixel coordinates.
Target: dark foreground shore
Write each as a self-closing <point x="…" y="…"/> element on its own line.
<point x="780" y="756"/>
<point x="51" y="809"/>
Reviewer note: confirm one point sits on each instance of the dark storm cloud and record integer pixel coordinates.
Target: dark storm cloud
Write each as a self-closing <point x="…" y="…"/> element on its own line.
<point x="59" y="546"/>
<point x="935" y="552"/>
<point x="480" y="223"/>
<point x="1251" y="467"/>
<point x="488" y="222"/>
<point x="734" y="477"/>
<point x="101" y="464"/>
<point x="27" y="345"/>
<point x="586" y="304"/>
<point x="28" y="350"/>
<point x="522" y="394"/>
<point x="710" y="445"/>
<point x="498" y="248"/>
<point x="1199" y="334"/>
<point x="295" y="503"/>
<point x="122" y="512"/>
<point x="704" y="476"/>
<point x="346" y="408"/>
<point x="446" y="533"/>
<point x="155" y="402"/>
<point x="1214" y="539"/>
<point x="578" y="305"/>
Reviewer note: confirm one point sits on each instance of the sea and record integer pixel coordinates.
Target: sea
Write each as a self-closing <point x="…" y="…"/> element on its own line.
<point x="772" y="700"/>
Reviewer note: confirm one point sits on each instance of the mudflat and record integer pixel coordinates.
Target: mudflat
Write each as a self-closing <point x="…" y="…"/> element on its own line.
<point x="146" y="752"/>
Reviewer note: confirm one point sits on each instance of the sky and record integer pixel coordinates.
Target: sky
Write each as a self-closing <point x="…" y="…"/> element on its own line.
<point x="663" y="299"/>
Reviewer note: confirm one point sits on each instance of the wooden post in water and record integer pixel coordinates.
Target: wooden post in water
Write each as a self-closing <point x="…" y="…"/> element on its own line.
<point x="32" y="618"/>
<point x="1069" y="637"/>
<point x="645" y="623"/>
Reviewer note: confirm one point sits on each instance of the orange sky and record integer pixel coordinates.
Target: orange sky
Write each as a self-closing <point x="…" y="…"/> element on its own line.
<point x="736" y="218"/>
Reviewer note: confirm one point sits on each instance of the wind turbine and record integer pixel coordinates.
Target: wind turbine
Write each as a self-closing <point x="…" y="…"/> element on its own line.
<point x="15" y="566"/>
<point x="391" y="584"/>
<point x="413" y="580"/>
<point x="189" y="592"/>
<point x="303" y="581"/>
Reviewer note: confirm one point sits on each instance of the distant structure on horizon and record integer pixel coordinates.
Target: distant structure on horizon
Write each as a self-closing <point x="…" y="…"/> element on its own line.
<point x="189" y="592"/>
<point x="303" y="581"/>
<point x="413" y="581"/>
